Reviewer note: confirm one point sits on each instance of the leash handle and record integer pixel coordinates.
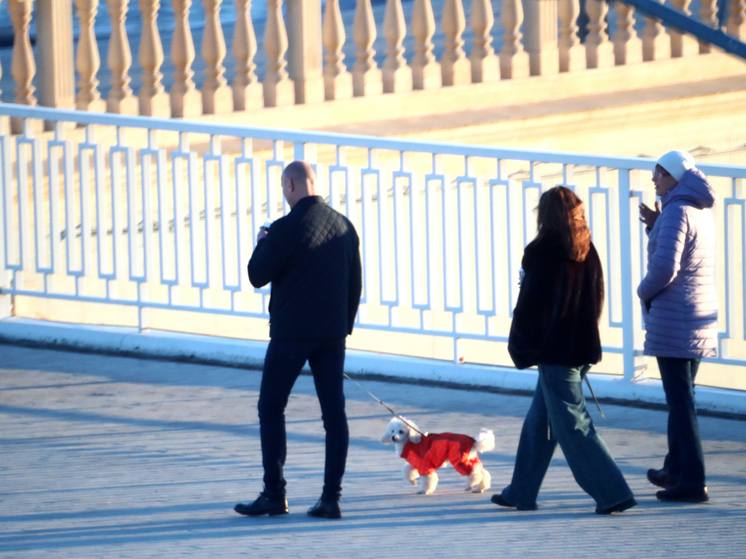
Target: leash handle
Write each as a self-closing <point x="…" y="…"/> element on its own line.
<point x="377" y="399"/>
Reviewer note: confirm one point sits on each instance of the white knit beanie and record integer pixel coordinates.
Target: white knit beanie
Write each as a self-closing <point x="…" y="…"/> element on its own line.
<point x="677" y="163"/>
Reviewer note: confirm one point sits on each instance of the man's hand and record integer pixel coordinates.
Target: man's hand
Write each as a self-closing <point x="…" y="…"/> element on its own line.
<point x="262" y="233"/>
<point x="648" y="216"/>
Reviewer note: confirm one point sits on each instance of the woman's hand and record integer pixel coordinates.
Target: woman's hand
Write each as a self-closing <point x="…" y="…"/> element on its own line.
<point x="649" y="216"/>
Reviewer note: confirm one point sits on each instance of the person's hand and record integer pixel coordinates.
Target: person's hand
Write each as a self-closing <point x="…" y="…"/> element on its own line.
<point x="262" y="233"/>
<point x="649" y="216"/>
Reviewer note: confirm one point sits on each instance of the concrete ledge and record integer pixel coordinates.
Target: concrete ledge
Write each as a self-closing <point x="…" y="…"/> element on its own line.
<point x="250" y="354"/>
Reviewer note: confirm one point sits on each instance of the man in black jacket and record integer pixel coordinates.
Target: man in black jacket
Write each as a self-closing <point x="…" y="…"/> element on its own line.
<point x="312" y="258"/>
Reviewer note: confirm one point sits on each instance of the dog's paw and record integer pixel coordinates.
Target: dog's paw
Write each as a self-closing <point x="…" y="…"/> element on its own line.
<point x="413" y="482"/>
<point x="425" y="492"/>
<point x="477" y="489"/>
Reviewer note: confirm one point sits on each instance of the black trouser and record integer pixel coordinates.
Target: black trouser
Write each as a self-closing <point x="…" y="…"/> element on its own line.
<point x="282" y="365"/>
<point x="685" y="461"/>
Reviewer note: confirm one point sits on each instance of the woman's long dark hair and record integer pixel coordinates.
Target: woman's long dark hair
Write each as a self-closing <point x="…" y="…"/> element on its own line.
<point x="561" y="212"/>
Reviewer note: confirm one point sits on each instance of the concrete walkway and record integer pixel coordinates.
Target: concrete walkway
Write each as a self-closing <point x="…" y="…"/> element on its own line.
<point x="116" y="457"/>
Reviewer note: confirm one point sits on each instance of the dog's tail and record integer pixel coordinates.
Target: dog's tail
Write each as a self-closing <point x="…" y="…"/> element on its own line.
<point x="485" y="441"/>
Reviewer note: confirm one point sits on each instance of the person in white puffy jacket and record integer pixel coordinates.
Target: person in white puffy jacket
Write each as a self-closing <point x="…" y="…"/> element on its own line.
<point x="679" y="301"/>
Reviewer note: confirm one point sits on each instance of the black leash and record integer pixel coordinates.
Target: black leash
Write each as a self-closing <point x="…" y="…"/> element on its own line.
<point x="377" y="399"/>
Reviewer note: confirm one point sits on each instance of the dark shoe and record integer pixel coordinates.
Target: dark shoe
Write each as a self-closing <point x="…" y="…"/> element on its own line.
<point x="661" y="478"/>
<point x="264" y="504"/>
<point x="681" y="494"/>
<point x="621" y="507"/>
<point x="324" y="509"/>
<point x="499" y="500"/>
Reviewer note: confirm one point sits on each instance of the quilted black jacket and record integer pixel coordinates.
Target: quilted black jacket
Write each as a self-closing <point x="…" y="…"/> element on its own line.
<point x="555" y="321"/>
<point x="312" y="258"/>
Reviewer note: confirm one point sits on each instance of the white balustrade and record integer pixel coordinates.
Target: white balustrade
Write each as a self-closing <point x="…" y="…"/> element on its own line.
<point x="366" y="76"/>
<point x="397" y="75"/>
<point x="442" y="227"/>
<point x="425" y="70"/>
<point x="153" y="98"/>
<point x="217" y="97"/>
<point x="540" y="36"/>
<point x="248" y="94"/>
<point x="455" y="67"/>
<point x="514" y="60"/>
<point x="485" y="65"/>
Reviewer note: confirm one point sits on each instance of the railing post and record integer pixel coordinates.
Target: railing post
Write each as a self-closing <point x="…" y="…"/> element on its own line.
<point x="683" y="44"/>
<point x="279" y="91"/>
<point x="23" y="66"/>
<point x="708" y="16"/>
<point x="599" y="50"/>
<point x="736" y="26"/>
<point x="153" y="98"/>
<point x="485" y="66"/>
<point x="366" y="77"/>
<point x="627" y="268"/>
<point x="627" y="45"/>
<point x="217" y="97"/>
<point x="514" y="60"/>
<point x="54" y="32"/>
<point x="572" y="53"/>
<point x="455" y="67"/>
<point x="186" y="101"/>
<point x="6" y="300"/>
<point x="425" y="70"/>
<point x="540" y="36"/>
<point x="337" y="80"/>
<point x="397" y="76"/>
<point x="656" y="45"/>
<point x="247" y="91"/>
<point x="88" y="60"/>
<point x="121" y="100"/>
<point x="304" y="50"/>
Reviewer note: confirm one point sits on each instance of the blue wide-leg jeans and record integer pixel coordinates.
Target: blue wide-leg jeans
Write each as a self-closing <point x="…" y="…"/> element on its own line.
<point x="558" y="415"/>
<point x="282" y="366"/>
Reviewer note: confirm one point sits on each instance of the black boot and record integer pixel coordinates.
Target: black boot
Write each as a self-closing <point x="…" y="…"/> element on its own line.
<point x="681" y="494"/>
<point x="325" y="509"/>
<point x="264" y="504"/>
<point x="661" y="478"/>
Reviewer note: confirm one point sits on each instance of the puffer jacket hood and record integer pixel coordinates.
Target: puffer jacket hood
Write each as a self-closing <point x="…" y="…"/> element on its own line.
<point x="694" y="189"/>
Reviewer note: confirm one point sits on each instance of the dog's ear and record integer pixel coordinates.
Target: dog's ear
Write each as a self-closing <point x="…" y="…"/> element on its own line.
<point x="414" y="436"/>
<point x="386" y="439"/>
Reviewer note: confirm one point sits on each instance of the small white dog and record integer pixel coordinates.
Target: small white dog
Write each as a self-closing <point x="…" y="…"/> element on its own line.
<point x="425" y="453"/>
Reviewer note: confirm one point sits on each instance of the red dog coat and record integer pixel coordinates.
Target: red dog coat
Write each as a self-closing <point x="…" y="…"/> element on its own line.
<point x="435" y="448"/>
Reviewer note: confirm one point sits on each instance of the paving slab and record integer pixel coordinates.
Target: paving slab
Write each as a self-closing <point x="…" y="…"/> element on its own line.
<point x="105" y="456"/>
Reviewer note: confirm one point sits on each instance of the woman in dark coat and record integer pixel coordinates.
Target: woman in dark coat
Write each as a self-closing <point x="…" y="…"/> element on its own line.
<point x="555" y="326"/>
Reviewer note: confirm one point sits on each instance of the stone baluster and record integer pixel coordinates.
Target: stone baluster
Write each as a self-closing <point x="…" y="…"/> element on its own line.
<point x="683" y="44"/>
<point x="247" y="91"/>
<point x="708" y="16"/>
<point x="279" y="90"/>
<point x="397" y="76"/>
<point x="425" y="70"/>
<point x="485" y="66"/>
<point x="599" y="51"/>
<point x="23" y="67"/>
<point x="153" y="97"/>
<point x="656" y="45"/>
<point x="366" y="77"/>
<point x="571" y="52"/>
<point x="54" y="43"/>
<point x="514" y="60"/>
<point x="736" y="24"/>
<point x="305" y="50"/>
<point x="186" y="101"/>
<point x="540" y="31"/>
<point x="627" y="45"/>
<point x="337" y="80"/>
<point x="217" y="97"/>
<point x="121" y="100"/>
<point x="455" y="67"/>
<point x="88" y="60"/>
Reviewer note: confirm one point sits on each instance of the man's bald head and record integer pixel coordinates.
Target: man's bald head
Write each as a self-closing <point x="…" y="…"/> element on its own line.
<point x="298" y="182"/>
